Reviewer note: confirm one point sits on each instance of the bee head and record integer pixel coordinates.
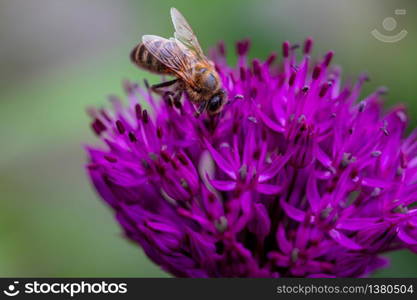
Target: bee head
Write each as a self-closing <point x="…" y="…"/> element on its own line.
<point x="207" y="79"/>
<point x="215" y="103"/>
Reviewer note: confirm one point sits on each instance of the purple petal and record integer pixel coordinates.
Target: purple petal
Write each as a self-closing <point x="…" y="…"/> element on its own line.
<point x="406" y="237"/>
<point x="222" y="185"/>
<point x="344" y="240"/>
<point x="273" y="169"/>
<point x="293" y="212"/>
<point x="268" y="189"/>
<point x="220" y="161"/>
<point x="359" y="223"/>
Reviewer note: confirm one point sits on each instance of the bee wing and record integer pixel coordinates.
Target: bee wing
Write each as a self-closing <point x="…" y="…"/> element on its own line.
<point x="185" y="34"/>
<point x="172" y="54"/>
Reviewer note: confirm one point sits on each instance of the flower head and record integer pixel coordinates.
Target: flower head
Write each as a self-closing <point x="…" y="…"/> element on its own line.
<point x="295" y="177"/>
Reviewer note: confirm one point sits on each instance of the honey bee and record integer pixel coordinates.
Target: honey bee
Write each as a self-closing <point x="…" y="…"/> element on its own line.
<point x="182" y="57"/>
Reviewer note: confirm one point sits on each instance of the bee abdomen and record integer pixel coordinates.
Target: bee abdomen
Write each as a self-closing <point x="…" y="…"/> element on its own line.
<point x="145" y="60"/>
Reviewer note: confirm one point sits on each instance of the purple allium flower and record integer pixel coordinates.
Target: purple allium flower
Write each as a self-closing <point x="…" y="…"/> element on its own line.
<point x="294" y="178"/>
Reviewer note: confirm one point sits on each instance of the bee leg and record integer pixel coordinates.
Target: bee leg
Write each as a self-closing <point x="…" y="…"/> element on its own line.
<point x="201" y="108"/>
<point x="157" y="87"/>
<point x="176" y="97"/>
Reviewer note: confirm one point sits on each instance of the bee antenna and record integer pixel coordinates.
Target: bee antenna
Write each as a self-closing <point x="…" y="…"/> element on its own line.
<point x="146" y="82"/>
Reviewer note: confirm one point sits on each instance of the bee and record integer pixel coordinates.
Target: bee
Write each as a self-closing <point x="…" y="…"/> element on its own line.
<point x="182" y="57"/>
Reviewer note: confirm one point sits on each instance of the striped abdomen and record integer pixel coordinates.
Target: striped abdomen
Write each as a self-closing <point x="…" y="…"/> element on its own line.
<point x="144" y="59"/>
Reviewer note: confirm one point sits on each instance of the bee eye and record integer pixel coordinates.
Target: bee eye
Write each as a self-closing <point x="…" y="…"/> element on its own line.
<point x="210" y="82"/>
<point x="215" y="103"/>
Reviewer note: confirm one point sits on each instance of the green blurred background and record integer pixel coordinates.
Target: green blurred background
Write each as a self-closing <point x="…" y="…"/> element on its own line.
<point x="58" y="57"/>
